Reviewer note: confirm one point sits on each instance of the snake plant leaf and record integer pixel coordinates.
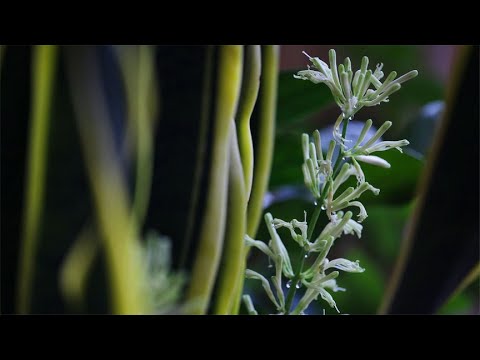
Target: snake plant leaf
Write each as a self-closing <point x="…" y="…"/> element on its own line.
<point x="442" y="245"/>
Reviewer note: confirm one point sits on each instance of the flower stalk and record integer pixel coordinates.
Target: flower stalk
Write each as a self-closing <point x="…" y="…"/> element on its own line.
<point x="351" y="92"/>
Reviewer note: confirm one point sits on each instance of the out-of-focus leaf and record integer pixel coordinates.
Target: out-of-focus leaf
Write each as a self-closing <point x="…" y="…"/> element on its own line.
<point x="461" y="304"/>
<point x="15" y="79"/>
<point x="298" y="99"/>
<point x="442" y="244"/>
<point x="382" y="231"/>
<point x="421" y="130"/>
<point x="464" y="300"/>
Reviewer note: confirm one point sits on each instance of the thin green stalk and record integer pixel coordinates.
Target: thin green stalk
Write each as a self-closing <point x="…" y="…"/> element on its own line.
<point x="248" y="97"/>
<point x="43" y="72"/>
<point x="144" y="120"/>
<point x="213" y="228"/>
<point x="137" y="65"/>
<point x="311" y="227"/>
<point x="294" y="283"/>
<point x="236" y="225"/>
<point x="239" y="284"/>
<point x="266" y="136"/>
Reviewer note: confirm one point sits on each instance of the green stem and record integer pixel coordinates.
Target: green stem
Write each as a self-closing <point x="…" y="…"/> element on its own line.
<point x="336" y="167"/>
<point x="267" y="100"/>
<point x="43" y="76"/>
<point x="294" y="282"/>
<point x="311" y="227"/>
<point x="296" y="279"/>
<point x="144" y="115"/>
<point x="232" y="267"/>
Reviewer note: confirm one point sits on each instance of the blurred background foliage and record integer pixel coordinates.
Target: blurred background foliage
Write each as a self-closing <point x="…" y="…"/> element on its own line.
<point x="424" y="223"/>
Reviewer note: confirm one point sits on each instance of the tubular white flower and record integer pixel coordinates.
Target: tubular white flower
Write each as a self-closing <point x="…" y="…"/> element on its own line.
<point x="363" y="212"/>
<point x="318" y="144"/>
<point x="366" y="127"/>
<point x="387" y="82"/>
<point x="278" y="248"/>
<point x="332" y="285"/>
<point x="345" y="265"/>
<point x="373" y="160"/>
<point x="360" y="190"/>
<point x="250" y="274"/>
<point x="277" y="282"/>
<point x="260" y="245"/>
<point x="249" y="305"/>
<point x="408" y="76"/>
<point x="318" y="281"/>
<point x="346" y="171"/>
<point x="314" y="76"/>
<point x="301" y="239"/>
<point x="381" y="130"/>
<point x="306" y="176"/>
<point x="305" y="147"/>
<point x="302" y="225"/>
<point x="328" y="298"/>
<point x="305" y="301"/>
<point x="352" y="227"/>
<point x="387" y="145"/>
<point x="341" y="199"/>
<point x="331" y="147"/>
<point x="335" y="227"/>
<point x="325" y="246"/>
<point x="359" y="172"/>
<point x="378" y="71"/>
<point x="337" y="135"/>
<point x="332" y="55"/>
<point x="313" y="154"/>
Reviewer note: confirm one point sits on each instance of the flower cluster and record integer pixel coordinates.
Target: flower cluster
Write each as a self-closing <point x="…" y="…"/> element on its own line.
<point x="314" y="278"/>
<point x="324" y="176"/>
<point x="352" y="92"/>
